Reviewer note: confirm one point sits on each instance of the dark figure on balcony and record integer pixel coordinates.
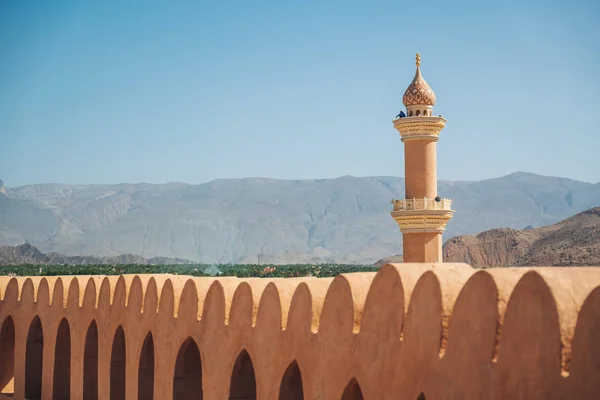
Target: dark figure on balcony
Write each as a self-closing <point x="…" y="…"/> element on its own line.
<point x="401" y="115"/>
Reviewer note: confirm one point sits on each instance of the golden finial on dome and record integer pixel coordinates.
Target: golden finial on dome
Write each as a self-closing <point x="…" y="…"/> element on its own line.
<point x="418" y="92"/>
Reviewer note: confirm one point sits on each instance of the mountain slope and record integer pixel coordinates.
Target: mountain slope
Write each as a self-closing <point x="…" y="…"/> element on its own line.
<point x="28" y="254"/>
<point x="254" y="219"/>
<point x="572" y="242"/>
<point x="20" y="220"/>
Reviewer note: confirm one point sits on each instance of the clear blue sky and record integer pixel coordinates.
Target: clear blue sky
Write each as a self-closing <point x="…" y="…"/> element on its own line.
<point x="158" y="91"/>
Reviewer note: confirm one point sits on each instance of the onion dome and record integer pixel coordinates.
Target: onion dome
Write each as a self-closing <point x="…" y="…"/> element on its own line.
<point x="418" y="92"/>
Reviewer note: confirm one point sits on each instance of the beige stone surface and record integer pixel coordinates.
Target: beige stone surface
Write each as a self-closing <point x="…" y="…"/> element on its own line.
<point x="434" y="331"/>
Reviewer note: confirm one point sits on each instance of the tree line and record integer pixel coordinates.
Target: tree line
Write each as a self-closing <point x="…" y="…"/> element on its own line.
<point x="238" y="270"/>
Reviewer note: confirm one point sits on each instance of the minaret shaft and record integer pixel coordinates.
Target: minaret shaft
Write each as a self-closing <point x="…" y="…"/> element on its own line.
<point x="420" y="166"/>
<point x="422" y="247"/>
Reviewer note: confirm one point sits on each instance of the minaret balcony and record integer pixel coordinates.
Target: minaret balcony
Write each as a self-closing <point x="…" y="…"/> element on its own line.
<point x="422" y="215"/>
<point x="422" y="204"/>
<point x="420" y="128"/>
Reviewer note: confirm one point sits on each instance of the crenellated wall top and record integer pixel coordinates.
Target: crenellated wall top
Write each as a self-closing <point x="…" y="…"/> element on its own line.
<point x="358" y="293"/>
<point x="446" y="311"/>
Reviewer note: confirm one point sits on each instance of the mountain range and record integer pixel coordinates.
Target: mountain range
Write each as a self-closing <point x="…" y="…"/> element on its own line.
<point x="259" y="220"/>
<point x="28" y="254"/>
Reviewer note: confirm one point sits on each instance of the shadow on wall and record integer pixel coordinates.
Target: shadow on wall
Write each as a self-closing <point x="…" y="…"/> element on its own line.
<point x="243" y="382"/>
<point x="34" y="360"/>
<point x="187" y="379"/>
<point x="62" y="362"/>
<point x="7" y="356"/>
<point x="90" y="363"/>
<point x="291" y="384"/>
<point x="117" y="366"/>
<point x="146" y="370"/>
<point x="352" y="391"/>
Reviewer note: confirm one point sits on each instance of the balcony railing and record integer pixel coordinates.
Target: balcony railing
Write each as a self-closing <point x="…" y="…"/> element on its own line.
<point x="422" y="204"/>
<point x="419" y="127"/>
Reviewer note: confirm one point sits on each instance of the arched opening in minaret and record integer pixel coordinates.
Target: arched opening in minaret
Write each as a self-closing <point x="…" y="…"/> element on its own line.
<point x="61" y="389"/>
<point x="243" y="381"/>
<point x="7" y="356"/>
<point x="410" y="113"/>
<point x="352" y="391"/>
<point x="90" y="363"/>
<point x="117" y="366"/>
<point x="146" y="370"/>
<point x="187" y="379"/>
<point x="418" y="112"/>
<point x="291" y="384"/>
<point x="34" y="353"/>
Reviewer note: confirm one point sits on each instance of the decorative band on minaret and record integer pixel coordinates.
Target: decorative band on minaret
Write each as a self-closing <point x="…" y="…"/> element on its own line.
<point x="422" y="215"/>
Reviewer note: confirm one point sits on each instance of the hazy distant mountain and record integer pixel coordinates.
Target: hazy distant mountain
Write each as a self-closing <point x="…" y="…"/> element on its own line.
<point x="28" y="254"/>
<point x="574" y="241"/>
<point x="266" y="220"/>
<point x="22" y="221"/>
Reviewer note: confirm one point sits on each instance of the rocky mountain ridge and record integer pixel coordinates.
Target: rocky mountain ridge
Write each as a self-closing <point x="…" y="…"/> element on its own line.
<point x="252" y="220"/>
<point x="28" y="254"/>
<point x="574" y="241"/>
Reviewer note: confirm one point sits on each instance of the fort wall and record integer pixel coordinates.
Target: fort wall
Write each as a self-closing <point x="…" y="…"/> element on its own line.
<point x="408" y="331"/>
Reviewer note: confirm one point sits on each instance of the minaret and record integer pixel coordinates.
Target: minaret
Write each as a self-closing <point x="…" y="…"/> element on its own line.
<point x="422" y="215"/>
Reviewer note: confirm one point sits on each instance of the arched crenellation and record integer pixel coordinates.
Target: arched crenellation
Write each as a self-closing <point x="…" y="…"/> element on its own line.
<point x="243" y="380"/>
<point x="187" y="377"/>
<point x="90" y="363"/>
<point x="146" y="370"/>
<point x="34" y="357"/>
<point x="291" y="383"/>
<point x="118" y="360"/>
<point x="7" y="356"/>
<point x="304" y="338"/>
<point x="61" y="387"/>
